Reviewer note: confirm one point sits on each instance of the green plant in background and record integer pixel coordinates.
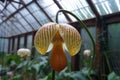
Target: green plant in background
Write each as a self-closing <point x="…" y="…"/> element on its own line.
<point x="24" y="69"/>
<point x="113" y="76"/>
<point x="10" y="63"/>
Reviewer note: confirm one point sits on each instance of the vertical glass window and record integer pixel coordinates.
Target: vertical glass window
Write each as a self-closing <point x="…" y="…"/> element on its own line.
<point x="10" y="45"/>
<point x="87" y="44"/>
<point x="15" y="45"/>
<point x="113" y="38"/>
<point x="114" y="46"/>
<point x="21" y="42"/>
<point x="1" y="44"/>
<point x="29" y="42"/>
<point x="5" y="45"/>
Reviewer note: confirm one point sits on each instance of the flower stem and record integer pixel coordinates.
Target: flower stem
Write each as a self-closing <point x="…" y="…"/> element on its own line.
<point x="53" y="74"/>
<point x="85" y="27"/>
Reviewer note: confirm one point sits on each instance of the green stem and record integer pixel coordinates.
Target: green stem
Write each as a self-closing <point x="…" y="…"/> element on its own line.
<point x="85" y="27"/>
<point x="106" y="57"/>
<point x="53" y="74"/>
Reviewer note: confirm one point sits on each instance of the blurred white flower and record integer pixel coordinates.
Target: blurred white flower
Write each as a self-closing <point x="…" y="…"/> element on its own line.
<point x="10" y="73"/>
<point x="87" y="52"/>
<point x="23" y="52"/>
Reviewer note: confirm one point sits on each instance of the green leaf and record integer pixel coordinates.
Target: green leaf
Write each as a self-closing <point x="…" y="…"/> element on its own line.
<point x="36" y="67"/>
<point x="113" y="76"/>
<point x="24" y="63"/>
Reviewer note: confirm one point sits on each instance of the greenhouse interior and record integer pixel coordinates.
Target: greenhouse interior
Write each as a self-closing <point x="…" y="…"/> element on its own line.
<point x="52" y="40"/>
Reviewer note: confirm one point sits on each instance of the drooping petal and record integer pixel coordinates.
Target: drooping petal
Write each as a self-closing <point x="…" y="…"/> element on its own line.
<point x="58" y="59"/>
<point x="44" y="36"/>
<point x="71" y="38"/>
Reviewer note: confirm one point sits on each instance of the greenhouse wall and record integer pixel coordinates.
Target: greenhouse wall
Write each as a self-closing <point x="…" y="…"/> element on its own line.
<point x="3" y="44"/>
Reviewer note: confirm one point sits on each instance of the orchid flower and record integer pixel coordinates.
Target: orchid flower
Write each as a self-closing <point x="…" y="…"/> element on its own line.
<point x="61" y="37"/>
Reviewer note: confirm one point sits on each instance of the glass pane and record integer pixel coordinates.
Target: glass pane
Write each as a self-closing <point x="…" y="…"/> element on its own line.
<point x="15" y="45"/>
<point x="6" y="13"/>
<point x="4" y="33"/>
<point x="79" y="7"/>
<point x="11" y="8"/>
<point x="6" y="27"/>
<point x="118" y="4"/>
<point x="17" y="4"/>
<point x="24" y="12"/>
<point x="33" y="7"/>
<point x="45" y="3"/>
<point x="27" y="1"/>
<point x="8" y="23"/>
<point x="40" y="16"/>
<point x="20" y="27"/>
<point x="51" y="9"/>
<point x="1" y="32"/>
<point x="29" y="42"/>
<point x="114" y="46"/>
<point x="87" y="44"/>
<point x="1" y="44"/>
<point x="107" y="6"/>
<point x="21" y="42"/>
<point x="6" y="45"/>
<point x="30" y="19"/>
<point x="114" y="37"/>
<point x="0" y="20"/>
<point x="10" y="45"/>
<point x="1" y="7"/>
<point x="14" y="28"/>
<point x="62" y="19"/>
<point x="23" y="22"/>
<point x="36" y="25"/>
<point x="17" y="15"/>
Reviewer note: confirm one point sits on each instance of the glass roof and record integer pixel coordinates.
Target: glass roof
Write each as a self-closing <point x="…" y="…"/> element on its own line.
<point x="107" y="6"/>
<point x="18" y="17"/>
<point x="51" y="9"/>
<point x="78" y="7"/>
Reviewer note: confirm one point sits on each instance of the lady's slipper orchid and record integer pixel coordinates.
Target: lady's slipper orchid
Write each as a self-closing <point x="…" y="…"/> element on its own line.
<point x="23" y="52"/>
<point x="58" y="35"/>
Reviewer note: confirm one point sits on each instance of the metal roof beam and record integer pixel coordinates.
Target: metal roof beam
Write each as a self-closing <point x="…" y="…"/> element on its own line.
<point x="24" y="19"/>
<point x="32" y="14"/>
<point x="13" y="23"/>
<point x="44" y="11"/>
<point x="60" y="7"/>
<point x="15" y="12"/>
<point x="92" y="6"/>
<point x="5" y="27"/>
<point x="10" y="27"/>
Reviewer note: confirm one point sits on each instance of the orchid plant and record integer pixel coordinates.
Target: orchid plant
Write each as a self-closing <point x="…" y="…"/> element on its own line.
<point x="61" y="37"/>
